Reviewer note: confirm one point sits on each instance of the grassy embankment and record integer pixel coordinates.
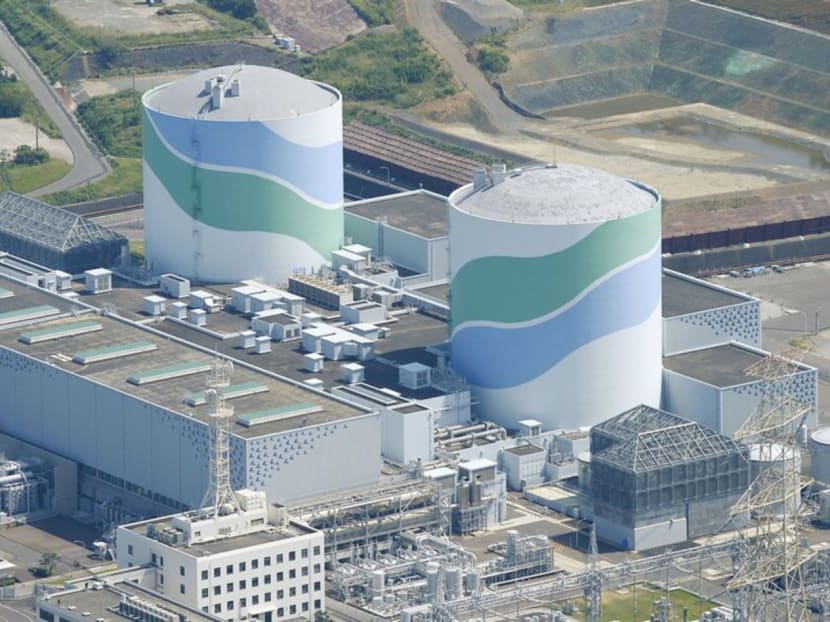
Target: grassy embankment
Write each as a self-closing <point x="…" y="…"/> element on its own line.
<point x="52" y="41"/>
<point x="114" y="122"/>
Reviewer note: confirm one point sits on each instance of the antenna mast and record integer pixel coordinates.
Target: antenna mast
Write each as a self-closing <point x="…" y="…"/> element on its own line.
<point x="219" y="498"/>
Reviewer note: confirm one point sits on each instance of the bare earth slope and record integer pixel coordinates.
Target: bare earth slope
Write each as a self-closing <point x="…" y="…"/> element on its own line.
<point x="315" y="24"/>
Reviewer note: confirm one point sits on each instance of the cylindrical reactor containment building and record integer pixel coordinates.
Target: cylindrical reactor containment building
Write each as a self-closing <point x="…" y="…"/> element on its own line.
<point x="555" y="294"/>
<point x="243" y="175"/>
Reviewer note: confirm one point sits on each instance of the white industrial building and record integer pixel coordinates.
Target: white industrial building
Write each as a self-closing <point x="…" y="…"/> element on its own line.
<point x="698" y="314"/>
<point x="133" y="412"/>
<point x="711" y="386"/>
<point x="236" y="565"/>
<point x="409" y="229"/>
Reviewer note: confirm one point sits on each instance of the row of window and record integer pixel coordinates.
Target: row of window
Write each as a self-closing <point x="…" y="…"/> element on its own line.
<point x="85" y="469"/>
<point x="281" y="611"/>
<point x="279" y="558"/>
<point x="292" y="591"/>
<point x="266" y="579"/>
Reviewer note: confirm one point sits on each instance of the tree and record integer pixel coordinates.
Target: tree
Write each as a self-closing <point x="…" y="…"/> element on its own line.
<point x="493" y="59"/>
<point x="47" y="564"/>
<point x="11" y="101"/>
<point x="25" y="155"/>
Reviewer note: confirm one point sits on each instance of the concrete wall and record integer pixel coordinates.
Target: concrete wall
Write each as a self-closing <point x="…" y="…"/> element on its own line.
<point x="421" y="255"/>
<point x="641" y="538"/>
<point x="315" y="460"/>
<point x="692" y="399"/>
<point x="407" y="437"/>
<point x="741" y="322"/>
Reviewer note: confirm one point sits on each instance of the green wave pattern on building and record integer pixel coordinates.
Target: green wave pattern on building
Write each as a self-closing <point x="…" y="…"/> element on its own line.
<point x="241" y="202"/>
<point x="520" y="289"/>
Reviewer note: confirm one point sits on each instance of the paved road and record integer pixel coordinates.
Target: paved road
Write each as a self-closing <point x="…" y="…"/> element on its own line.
<point x="87" y="165"/>
<point x="8" y="614"/>
<point x="424" y="16"/>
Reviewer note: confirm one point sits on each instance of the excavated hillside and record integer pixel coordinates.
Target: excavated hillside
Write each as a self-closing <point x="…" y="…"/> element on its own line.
<point x="683" y="50"/>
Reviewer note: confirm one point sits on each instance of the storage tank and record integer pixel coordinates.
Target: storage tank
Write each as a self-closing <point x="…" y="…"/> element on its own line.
<point x="243" y="175"/>
<point x="555" y="294"/>
<point x="820" y="455"/>
<point x="767" y="456"/>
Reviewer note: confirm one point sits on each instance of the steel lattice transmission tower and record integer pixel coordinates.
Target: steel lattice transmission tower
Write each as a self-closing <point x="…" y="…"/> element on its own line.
<point x="219" y="498"/>
<point x="593" y="592"/>
<point x="767" y="584"/>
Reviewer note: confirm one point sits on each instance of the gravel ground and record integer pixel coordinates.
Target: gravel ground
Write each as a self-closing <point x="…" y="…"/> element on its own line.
<point x="129" y="17"/>
<point x="15" y="132"/>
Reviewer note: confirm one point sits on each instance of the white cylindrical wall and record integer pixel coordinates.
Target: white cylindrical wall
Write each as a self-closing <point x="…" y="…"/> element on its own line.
<point x="247" y="187"/>
<point x="820" y="455"/>
<point x="555" y="295"/>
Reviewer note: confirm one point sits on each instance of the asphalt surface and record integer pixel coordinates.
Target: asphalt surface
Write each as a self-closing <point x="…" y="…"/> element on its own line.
<point x="9" y="614"/>
<point x="88" y="165"/>
<point x="424" y="16"/>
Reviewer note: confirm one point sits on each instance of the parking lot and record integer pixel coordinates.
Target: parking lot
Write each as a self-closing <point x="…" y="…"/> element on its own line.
<point x="795" y="310"/>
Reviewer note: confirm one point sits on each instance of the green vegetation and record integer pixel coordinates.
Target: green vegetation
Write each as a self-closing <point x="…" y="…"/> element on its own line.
<point x="124" y="179"/>
<point x="46" y="565"/>
<point x="52" y="41"/>
<point x="137" y="250"/>
<point x="114" y="121"/>
<point x="375" y="12"/>
<point x="240" y="9"/>
<point x="394" y="68"/>
<point x="16" y="100"/>
<point x="25" y="155"/>
<point x="813" y="14"/>
<point x="626" y="605"/>
<point x="24" y="179"/>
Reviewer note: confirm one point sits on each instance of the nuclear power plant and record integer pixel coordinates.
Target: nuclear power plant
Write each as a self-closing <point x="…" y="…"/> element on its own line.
<point x="243" y="175"/>
<point x="362" y="390"/>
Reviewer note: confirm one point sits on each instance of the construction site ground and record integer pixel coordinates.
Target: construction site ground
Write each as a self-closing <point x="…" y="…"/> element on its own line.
<point x="15" y="132"/>
<point x="130" y="17"/>
<point x="315" y="24"/>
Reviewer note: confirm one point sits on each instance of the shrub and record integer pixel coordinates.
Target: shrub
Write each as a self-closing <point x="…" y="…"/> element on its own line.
<point x="25" y="155"/>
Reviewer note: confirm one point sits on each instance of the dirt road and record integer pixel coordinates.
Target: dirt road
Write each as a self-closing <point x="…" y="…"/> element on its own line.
<point x="424" y="16"/>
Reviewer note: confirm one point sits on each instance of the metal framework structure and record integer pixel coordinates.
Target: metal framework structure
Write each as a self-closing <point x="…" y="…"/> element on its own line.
<point x="363" y="523"/>
<point x="219" y="497"/>
<point x="55" y="237"/>
<point x="650" y="463"/>
<point x="768" y="583"/>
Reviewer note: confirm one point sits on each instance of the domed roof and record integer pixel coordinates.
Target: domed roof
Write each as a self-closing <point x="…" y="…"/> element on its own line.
<point x="556" y="195"/>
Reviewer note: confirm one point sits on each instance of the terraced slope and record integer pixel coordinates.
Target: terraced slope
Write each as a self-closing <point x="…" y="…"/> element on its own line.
<point x="676" y="48"/>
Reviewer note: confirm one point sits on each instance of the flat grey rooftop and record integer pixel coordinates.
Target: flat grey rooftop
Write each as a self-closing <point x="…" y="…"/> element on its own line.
<point x="103" y="603"/>
<point x="721" y="366"/>
<point x="524" y="450"/>
<point x="418" y="212"/>
<point x="439" y="292"/>
<point x="682" y="296"/>
<point x="405" y="344"/>
<point x="171" y="393"/>
<point x="265" y="94"/>
<point x="223" y="545"/>
<point x="556" y="195"/>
